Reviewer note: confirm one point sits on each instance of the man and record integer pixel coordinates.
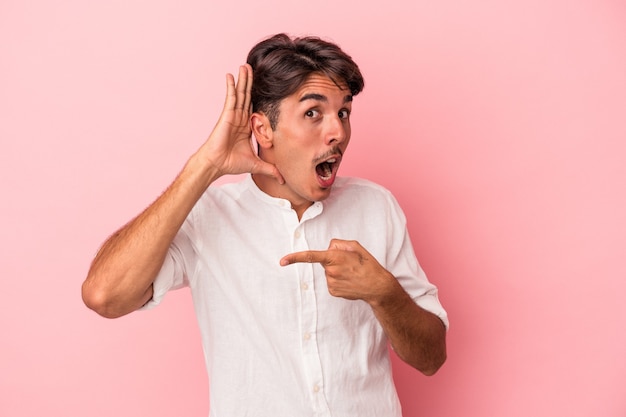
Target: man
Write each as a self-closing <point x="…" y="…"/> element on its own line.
<point x="297" y="289"/>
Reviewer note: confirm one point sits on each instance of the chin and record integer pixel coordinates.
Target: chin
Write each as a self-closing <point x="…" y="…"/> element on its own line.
<point x="323" y="194"/>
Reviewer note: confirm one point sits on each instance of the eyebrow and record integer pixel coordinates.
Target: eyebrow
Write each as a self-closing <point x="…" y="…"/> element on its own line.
<point x="322" y="98"/>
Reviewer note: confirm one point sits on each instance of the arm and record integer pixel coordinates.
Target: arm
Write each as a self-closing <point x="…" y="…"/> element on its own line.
<point x="416" y="335"/>
<point x="121" y="275"/>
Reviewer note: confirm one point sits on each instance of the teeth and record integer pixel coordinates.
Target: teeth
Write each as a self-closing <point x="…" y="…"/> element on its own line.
<point x="327" y="171"/>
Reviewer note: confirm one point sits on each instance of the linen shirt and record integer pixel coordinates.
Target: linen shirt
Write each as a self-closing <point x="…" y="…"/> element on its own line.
<point x="276" y="343"/>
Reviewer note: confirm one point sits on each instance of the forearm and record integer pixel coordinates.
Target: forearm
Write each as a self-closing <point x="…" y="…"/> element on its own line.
<point x="416" y="335"/>
<point x="121" y="275"/>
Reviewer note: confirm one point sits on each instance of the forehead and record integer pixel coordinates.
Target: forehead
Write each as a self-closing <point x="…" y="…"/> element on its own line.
<point x="321" y="84"/>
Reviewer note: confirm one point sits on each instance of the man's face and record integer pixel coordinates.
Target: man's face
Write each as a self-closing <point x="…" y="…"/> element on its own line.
<point x="311" y="135"/>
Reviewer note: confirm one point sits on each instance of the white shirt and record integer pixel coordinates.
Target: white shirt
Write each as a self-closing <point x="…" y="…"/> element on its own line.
<point x="276" y="343"/>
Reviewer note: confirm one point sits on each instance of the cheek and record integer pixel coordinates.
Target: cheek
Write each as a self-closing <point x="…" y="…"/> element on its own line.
<point x="292" y="162"/>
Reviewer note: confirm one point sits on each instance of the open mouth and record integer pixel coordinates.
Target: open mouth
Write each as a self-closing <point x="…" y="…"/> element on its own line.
<point x="326" y="171"/>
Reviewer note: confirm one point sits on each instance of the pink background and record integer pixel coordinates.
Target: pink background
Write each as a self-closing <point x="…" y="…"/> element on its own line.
<point x="499" y="125"/>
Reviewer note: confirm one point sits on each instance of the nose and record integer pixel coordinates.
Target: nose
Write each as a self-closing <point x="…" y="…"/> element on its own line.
<point x="338" y="131"/>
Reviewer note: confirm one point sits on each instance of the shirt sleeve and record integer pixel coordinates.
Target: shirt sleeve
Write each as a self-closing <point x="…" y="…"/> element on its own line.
<point x="403" y="264"/>
<point x="179" y="263"/>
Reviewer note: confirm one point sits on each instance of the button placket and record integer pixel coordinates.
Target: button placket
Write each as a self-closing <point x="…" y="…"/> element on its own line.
<point x="310" y="351"/>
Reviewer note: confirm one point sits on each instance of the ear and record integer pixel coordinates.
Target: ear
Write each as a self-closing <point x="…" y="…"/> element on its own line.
<point x="260" y="125"/>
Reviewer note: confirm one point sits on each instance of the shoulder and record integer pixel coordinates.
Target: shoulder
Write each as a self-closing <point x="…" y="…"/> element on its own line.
<point x="221" y="198"/>
<point x="360" y="187"/>
<point x="363" y="195"/>
<point x="232" y="190"/>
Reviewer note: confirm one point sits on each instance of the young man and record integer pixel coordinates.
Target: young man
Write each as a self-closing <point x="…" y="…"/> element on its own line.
<point x="299" y="278"/>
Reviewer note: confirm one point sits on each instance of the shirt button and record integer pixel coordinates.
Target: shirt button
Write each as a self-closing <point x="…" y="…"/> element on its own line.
<point x="297" y="234"/>
<point x="307" y="336"/>
<point x="304" y="286"/>
<point x="316" y="388"/>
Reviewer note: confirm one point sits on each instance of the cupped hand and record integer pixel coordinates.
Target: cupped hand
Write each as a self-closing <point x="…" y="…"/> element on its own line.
<point x="229" y="148"/>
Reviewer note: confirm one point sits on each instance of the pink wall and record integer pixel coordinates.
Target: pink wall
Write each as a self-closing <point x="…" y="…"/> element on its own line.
<point x="499" y="125"/>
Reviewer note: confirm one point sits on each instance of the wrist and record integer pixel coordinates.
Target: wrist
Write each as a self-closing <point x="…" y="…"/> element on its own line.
<point x="389" y="293"/>
<point x="201" y="171"/>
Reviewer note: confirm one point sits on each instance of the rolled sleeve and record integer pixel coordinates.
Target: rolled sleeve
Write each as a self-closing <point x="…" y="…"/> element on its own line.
<point x="180" y="258"/>
<point x="403" y="264"/>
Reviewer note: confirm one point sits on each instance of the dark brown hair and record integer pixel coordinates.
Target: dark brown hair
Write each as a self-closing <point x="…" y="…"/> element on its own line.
<point x="282" y="64"/>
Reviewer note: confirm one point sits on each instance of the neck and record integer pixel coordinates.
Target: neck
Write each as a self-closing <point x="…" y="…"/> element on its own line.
<point x="272" y="188"/>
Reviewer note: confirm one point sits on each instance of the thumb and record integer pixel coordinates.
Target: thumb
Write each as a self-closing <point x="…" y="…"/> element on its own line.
<point x="347" y="245"/>
<point x="264" y="168"/>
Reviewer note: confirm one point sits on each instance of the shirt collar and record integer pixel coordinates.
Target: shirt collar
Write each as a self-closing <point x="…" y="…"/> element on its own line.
<point x="314" y="210"/>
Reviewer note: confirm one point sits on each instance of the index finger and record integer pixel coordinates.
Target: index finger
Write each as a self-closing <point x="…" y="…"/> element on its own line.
<point x="307" y="256"/>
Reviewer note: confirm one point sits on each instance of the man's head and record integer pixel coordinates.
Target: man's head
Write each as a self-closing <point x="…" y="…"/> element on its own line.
<point x="302" y="99"/>
<point x="282" y="64"/>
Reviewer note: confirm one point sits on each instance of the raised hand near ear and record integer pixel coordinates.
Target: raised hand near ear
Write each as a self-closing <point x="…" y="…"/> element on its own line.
<point x="229" y="148"/>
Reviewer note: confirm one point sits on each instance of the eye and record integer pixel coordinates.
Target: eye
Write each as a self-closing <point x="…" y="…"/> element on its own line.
<point x="312" y="113"/>
<point x="344" y="114"/>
